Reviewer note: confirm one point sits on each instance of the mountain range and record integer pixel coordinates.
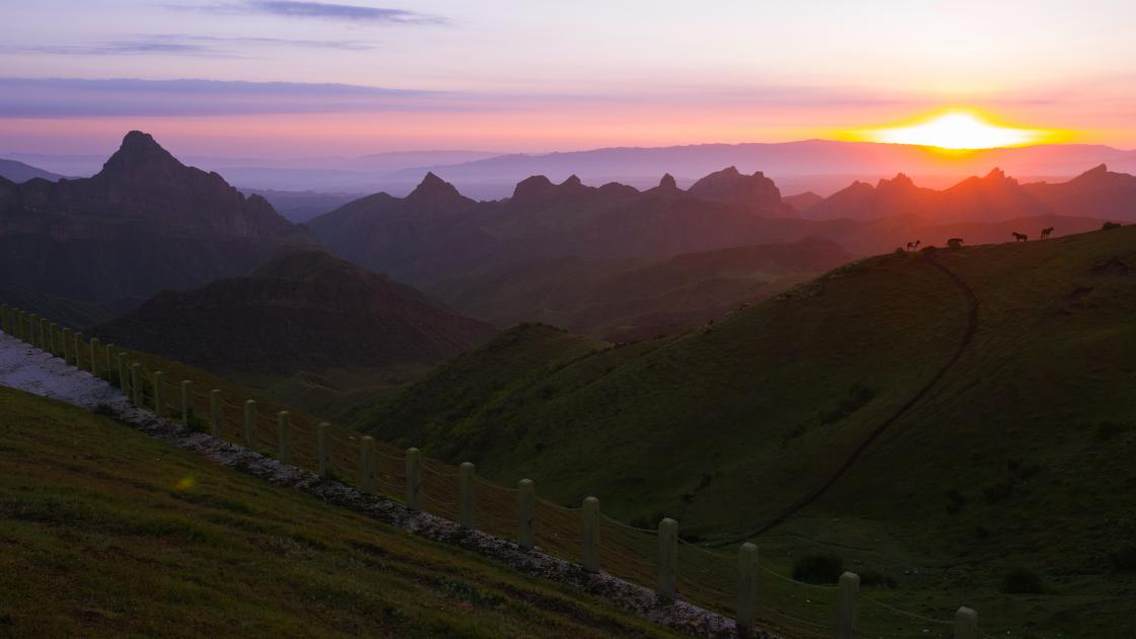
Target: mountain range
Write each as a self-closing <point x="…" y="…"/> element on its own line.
<point x="17" y="172"/>
<point x="143" y="223"/>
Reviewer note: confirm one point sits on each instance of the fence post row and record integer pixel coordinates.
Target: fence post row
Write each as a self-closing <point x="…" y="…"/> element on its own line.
<point x="465" y="494"/>
<point x="747" y="589"/>
<point x="282" y="435"/>
<point x="367" y="464"/>
<point x="668" y="557"/>
<point x="215" y="415"/>
<point x="322" y="460"/>
<point x="95" y="351"/>
<point x="526" y="509"/>
<point x="846" y="617"/>
<point x="63" y="342"/>
<point x="136" y="383"/>
<point x="590" y="555"/>
<point x="413" y="479"/>
<point x="159" y="377"/>
<point x="110" y="363"/>
<point x="966" y="623"/>
<point x="186" y="402"/>
<point x="250" y="422"/>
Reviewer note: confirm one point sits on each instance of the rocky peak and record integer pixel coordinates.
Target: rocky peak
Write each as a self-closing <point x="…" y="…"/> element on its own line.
<point x="668" y="183"/>
<point x="433" y="191"/>
<point x="140" y="155"/>
<point x="753" y="192"/>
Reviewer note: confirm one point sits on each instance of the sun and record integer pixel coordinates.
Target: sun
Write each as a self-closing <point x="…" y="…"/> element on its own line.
<point x="957" y="130"/>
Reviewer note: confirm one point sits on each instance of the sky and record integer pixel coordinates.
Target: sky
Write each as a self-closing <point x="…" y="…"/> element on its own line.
<point x="308" y="79"/>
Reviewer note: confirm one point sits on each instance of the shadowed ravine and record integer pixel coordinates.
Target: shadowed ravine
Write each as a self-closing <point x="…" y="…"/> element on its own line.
<point x="810" y="498"/>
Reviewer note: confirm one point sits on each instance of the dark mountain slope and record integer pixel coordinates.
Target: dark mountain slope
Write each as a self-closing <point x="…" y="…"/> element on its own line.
<point x="631" y="299"/>
<point x="302" y="311"/>
<point x="1098" y="193"/>
<point x="143" y="223"/>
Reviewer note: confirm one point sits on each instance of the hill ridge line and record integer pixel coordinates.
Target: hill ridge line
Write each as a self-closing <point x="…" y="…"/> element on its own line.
<point x="812" y="497"/>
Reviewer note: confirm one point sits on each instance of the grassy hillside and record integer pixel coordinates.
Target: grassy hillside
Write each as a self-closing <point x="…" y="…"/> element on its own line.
<point x="108" y="533"/>
<point x="1020" y="441"/>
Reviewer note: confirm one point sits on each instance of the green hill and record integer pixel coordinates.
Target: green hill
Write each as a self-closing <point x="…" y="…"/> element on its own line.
<point x="870" y="412"/>
<point x="108" y="533"/>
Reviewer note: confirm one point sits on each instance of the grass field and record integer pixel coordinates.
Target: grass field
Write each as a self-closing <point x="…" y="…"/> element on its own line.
<point x="1007" y="486"/>
<point x="107" y="533"/>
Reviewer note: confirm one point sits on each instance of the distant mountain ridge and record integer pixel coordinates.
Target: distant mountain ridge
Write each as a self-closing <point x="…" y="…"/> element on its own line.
<point x="15" y="171"/>
<point x="144" y="223"/>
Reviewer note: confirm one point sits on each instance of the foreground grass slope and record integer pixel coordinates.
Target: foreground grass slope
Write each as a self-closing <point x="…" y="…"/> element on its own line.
<point x="107" y="533"/>
<point x="1007" y="484"/>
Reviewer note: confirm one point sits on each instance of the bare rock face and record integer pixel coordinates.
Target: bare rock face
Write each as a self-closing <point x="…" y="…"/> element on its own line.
<point x="755" y="192"/>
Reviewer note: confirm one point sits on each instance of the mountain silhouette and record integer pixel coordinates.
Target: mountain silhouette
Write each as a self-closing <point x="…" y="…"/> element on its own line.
<point x="143" y="223"/>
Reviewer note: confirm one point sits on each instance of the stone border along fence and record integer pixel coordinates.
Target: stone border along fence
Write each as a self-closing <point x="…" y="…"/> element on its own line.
<point x="734" y="584"/>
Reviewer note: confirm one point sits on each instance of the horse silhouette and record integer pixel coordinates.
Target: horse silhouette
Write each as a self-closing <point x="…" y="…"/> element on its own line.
<point x="911" y="246"/>
<point x="1020" y="237"/>
<point x="1046" y="232"/>
<point x="955" y="242"/>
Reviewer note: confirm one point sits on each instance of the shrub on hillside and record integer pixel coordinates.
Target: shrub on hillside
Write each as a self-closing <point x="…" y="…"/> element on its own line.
<point x="1108" y="226"/>
<point x="818" y="569"/>
<point x="1022" y="581"/>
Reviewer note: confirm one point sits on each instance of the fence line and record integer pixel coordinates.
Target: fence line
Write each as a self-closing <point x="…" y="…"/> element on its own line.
<point x="661" y="559"/>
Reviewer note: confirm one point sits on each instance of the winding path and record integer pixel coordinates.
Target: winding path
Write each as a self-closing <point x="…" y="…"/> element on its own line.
<point x="815" y="494"/>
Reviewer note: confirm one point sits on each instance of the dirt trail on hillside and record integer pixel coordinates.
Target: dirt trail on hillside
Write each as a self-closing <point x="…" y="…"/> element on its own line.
<point x="964" y="343"/>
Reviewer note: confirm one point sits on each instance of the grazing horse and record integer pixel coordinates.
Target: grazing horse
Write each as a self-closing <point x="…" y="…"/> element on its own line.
<point x="911" y="246"/>
<point x="1021" y="237"/>
<point x="954" y="242"/>
<point x="1046" y="232"/>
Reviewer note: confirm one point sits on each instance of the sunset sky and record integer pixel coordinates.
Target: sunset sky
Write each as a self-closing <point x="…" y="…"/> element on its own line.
<point x="249" y="77"/>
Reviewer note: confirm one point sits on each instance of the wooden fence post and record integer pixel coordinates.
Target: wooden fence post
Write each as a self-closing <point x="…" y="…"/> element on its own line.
<point x="110" y="363"/>
<point x="65" y="345"/>
<point x="668" y="556"/>
<point x="77" y="351"/>
<point x="526" y="508"/>
<point x="159" y="377"/>
<point x="367" y="464"/>
<point x="215" y="416"/>
<point x="282" y="435"/>
<point x="465" y="494"/>
<point x="590" y="553"/>
<point x="95" y="352"/>
<point x="136" y="383"/>
<point x="413" y="479"/>
<point x="966" y="623"/>
<point x="250" y="422"/>
<point x="46" y="337"/>
<point x="747" y="589"/>
<point x="186" y="402"/>
<point x="5" y="319"/>
<point x="322" y="459"/>
<point x="846" y="619"/>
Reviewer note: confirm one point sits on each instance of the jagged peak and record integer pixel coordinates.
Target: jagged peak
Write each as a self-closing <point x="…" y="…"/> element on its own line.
<point x="900" y="179"/>
<point x="996" y="174"/>
<point x="434" y="187"/>
<point x="1100" y="169"/>
<point x="140" y="151"/>
<point x="668" y="182"/>
<point x="572" y="181"/>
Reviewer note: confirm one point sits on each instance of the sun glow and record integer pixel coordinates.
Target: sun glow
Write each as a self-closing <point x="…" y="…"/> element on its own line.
<point x="958" y="130"/>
